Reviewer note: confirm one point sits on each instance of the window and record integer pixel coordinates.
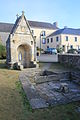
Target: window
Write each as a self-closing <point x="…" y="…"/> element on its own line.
<point x="78" y="47"/>
<point x="47" y="40"/>
<point x="71" y="46"/>
<point x="57" y="39"/>
<point x="47" y="46"/>
<point x="66" y="38"/>
<point x="63" y="47"/>
<point x="75" y="39"/>
<point x="43" y="33"/>
<point x="51" y="40"/>
<point x="43" y="41"/>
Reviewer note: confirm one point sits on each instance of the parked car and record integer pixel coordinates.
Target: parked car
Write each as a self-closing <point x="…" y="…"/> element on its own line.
<point x="73" y="51"/>
<point x="78" y="51"/>
<point x="51" y="51"/>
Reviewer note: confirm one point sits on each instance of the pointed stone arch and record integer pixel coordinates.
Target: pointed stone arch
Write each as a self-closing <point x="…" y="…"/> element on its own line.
<point x="24" y="55"/>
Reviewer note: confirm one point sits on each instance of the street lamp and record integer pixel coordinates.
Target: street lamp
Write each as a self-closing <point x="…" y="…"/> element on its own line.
<point x="41" y="34"/>
<point x="34" y="48"/>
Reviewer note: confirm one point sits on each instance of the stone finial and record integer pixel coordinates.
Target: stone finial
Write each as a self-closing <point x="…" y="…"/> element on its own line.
<point x="17" y="15"/>
<point x="55" y="24"/>
<point x="22" y="13"/>
<point x="35" y="39"/>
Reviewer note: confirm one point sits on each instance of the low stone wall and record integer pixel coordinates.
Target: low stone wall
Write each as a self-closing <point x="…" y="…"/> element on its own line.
<point x="47" y="58"/>
<point x="75" y="76"/>
<point x="70" y="59"/>
<point x="61" y="76"/>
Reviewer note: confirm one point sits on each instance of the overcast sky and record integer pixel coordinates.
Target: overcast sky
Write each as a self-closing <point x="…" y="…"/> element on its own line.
<point x="65" y="12"/>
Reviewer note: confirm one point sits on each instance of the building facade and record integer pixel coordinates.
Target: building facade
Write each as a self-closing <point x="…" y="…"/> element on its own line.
<point x="67" y="38"/>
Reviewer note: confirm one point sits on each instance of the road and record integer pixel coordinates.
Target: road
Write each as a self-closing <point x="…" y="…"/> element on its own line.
<point x="47" y="58"/>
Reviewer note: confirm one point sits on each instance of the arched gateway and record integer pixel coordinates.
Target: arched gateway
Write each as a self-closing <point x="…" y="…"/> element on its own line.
<point x="24" y="55"/>
<point x="21" y="46"/>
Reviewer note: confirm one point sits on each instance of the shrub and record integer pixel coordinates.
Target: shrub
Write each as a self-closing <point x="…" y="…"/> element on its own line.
<point x="60" y="50"/>
<point x="73" y="51"/>
<point x="39" y="49"/>
<point x="2" y="52"/>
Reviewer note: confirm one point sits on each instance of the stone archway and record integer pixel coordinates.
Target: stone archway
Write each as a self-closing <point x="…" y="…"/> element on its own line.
<point x="21" y="45"/>
<point x="24" y="55"/>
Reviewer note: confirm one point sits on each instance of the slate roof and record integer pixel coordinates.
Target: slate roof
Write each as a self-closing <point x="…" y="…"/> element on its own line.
<point x="42" y="25"/>
<point x="70" y="31"/>
<point x="7" y="27"/>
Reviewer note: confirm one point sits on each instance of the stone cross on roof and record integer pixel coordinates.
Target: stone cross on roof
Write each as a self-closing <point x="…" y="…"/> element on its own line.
<point x="23" y="13"/>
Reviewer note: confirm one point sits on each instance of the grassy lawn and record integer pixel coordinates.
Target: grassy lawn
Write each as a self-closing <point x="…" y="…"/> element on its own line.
<point x="14" y="106"/>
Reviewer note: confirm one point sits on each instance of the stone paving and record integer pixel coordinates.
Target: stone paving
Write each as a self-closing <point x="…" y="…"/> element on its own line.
<point x="47" y="93"/>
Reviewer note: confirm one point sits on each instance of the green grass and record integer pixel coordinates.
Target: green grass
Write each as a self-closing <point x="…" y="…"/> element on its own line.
<point x="15" y="106"/>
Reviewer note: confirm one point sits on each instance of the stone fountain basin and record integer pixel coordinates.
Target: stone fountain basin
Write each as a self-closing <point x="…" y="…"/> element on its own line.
<point x="47" y="76"/>
<point x="54" y="88"/>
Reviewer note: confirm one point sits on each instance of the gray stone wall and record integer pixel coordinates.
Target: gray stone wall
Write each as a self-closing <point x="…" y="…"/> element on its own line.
<point x="4" y="36"/>
<point x="58" y="76"/>
<point x="70" y="59"/>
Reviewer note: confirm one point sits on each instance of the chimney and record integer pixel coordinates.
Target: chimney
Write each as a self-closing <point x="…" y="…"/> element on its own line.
<point x="55" y="24"/>
<point x="65" y="26"/>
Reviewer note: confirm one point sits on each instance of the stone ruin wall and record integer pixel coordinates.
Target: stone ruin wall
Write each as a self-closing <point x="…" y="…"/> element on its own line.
<point x="72" y="60"/>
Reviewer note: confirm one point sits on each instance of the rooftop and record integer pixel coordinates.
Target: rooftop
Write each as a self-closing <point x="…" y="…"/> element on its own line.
<point x="7" y="27"/>
<point x="42" y="25"/>
<point x="70" y="31"/>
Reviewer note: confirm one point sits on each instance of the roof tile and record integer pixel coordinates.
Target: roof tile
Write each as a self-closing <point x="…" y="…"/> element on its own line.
<point x="8" y="27"/>
<point x="70" y="31"/>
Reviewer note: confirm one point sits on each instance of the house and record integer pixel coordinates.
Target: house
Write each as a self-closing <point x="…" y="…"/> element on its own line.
<point x="67" y="38"/>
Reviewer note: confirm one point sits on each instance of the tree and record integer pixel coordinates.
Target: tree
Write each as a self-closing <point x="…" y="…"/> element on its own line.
<point x="60" y="49"/>
<point x="2" y="51"/>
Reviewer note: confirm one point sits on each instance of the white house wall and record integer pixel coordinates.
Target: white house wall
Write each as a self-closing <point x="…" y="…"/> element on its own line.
<point x="71" y="41"/>
<point x="55" y="43"/>
<point x="37" y="32"/>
